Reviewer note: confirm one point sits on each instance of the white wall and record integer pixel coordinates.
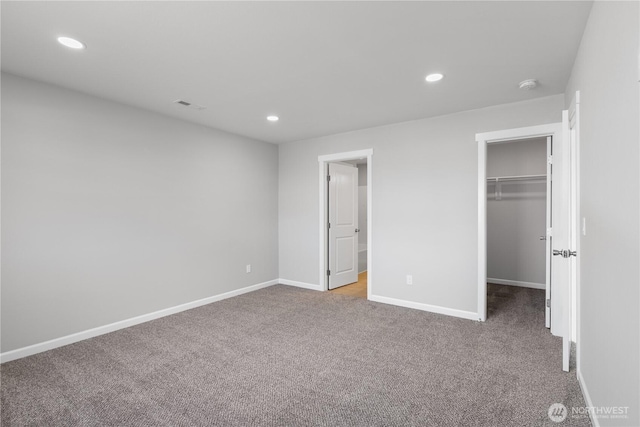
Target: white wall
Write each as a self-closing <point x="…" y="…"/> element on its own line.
<point x="110" y="212"/>
<point x="515" y="223"/>
<point x="425" y="214"/>
<point x="606" y="72"/>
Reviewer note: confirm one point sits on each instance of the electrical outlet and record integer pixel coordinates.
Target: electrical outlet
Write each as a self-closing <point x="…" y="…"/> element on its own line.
<point x="248" y="268"/>
<point x="409" y="279"/>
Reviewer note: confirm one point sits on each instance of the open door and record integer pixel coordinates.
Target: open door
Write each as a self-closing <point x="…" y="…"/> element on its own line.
<point x="343" y="225"/>
<point x="548" y="248"/>
<point x="560" y="241"/>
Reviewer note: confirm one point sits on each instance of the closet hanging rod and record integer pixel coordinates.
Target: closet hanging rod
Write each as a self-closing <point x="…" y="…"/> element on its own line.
<point x="517" y="178"/>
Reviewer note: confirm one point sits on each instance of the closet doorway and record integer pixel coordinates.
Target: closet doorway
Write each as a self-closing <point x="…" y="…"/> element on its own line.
<point x="558" y="254"/>
<point x="518" y="217"/>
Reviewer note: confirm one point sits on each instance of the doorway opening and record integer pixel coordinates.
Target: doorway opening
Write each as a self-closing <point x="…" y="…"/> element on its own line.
<point x="357" y="282"/>
<point x="518" y="217"/>
<point x="345" y="222"/>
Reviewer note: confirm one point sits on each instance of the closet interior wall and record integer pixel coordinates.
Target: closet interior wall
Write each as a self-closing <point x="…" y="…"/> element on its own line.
<point x="516" y="213"/>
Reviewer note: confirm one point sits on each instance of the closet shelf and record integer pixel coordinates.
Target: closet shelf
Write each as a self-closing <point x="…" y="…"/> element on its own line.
<point x="517" y="178"/>
<point x="499" y="180"/>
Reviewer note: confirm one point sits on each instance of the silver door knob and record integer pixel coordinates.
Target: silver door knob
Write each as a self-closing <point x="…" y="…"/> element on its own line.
<point x="564" y="253"/>
<point x="543" y="237"/>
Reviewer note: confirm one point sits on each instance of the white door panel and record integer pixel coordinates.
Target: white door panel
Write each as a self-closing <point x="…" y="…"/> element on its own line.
<point x="344" y="198"/>
<point x="559" y="238"/>
<point x="343" y="225"/>
<point x="344" y="251"/>
<point x="561" y="241"/>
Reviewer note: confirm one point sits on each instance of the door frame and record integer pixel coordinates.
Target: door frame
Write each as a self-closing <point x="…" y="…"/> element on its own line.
<point x="578" y="224"/>
<point x="484" y="139"/>
<point x="323" y="195"/>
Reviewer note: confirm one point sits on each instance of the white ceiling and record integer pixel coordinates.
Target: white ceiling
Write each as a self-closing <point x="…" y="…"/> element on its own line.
<point x="323" y="67"/>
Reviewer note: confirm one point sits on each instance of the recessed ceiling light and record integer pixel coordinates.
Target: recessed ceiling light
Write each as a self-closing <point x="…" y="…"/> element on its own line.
<point x="435" y="77"/>
<point x="273" y="118"/>
<point x="72" y="43"/>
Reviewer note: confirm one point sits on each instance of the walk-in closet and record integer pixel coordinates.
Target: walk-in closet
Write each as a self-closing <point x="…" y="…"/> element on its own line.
<point x="517" y="214"/>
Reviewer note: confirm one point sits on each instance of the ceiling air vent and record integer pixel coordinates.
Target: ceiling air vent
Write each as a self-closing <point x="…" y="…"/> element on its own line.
<point x="189" y="104"/>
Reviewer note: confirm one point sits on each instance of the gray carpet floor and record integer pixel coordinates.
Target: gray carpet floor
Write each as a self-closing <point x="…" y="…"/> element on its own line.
<point x="284" y="356"/>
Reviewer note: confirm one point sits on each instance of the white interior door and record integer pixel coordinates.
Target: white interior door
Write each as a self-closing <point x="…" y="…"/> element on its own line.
<point x="561" y="240"/>
<point x="343" y="225"/>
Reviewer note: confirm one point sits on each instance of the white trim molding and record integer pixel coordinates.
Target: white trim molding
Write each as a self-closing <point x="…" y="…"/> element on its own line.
<point x="425" y="307"/>
<point x="302" y="285"/>
<point x="112" y="327"/>
<point x="520" y="284"/>
<point x="349" y="155"/>
<point x="587" y="398"/>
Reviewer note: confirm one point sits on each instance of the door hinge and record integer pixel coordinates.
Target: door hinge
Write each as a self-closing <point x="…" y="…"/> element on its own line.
<point x="549" y="232"/>
<point x="329" y="225"/>
<point x="328" y="178"/>
<point x="549" y="302"/>
<point x="549" y="160"/>
<point x="328" y="272"/>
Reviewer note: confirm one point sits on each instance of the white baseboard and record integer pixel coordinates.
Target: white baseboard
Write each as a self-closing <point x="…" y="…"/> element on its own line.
<point x="101" y="330"/>
<point x="426" y="307"/>
<point x="300" y="284"/>
<point x="517" y="283"/>
<point x="587" y="399"/>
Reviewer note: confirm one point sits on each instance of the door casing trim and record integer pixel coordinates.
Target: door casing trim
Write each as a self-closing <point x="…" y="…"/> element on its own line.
<point x="483" y="139"/>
